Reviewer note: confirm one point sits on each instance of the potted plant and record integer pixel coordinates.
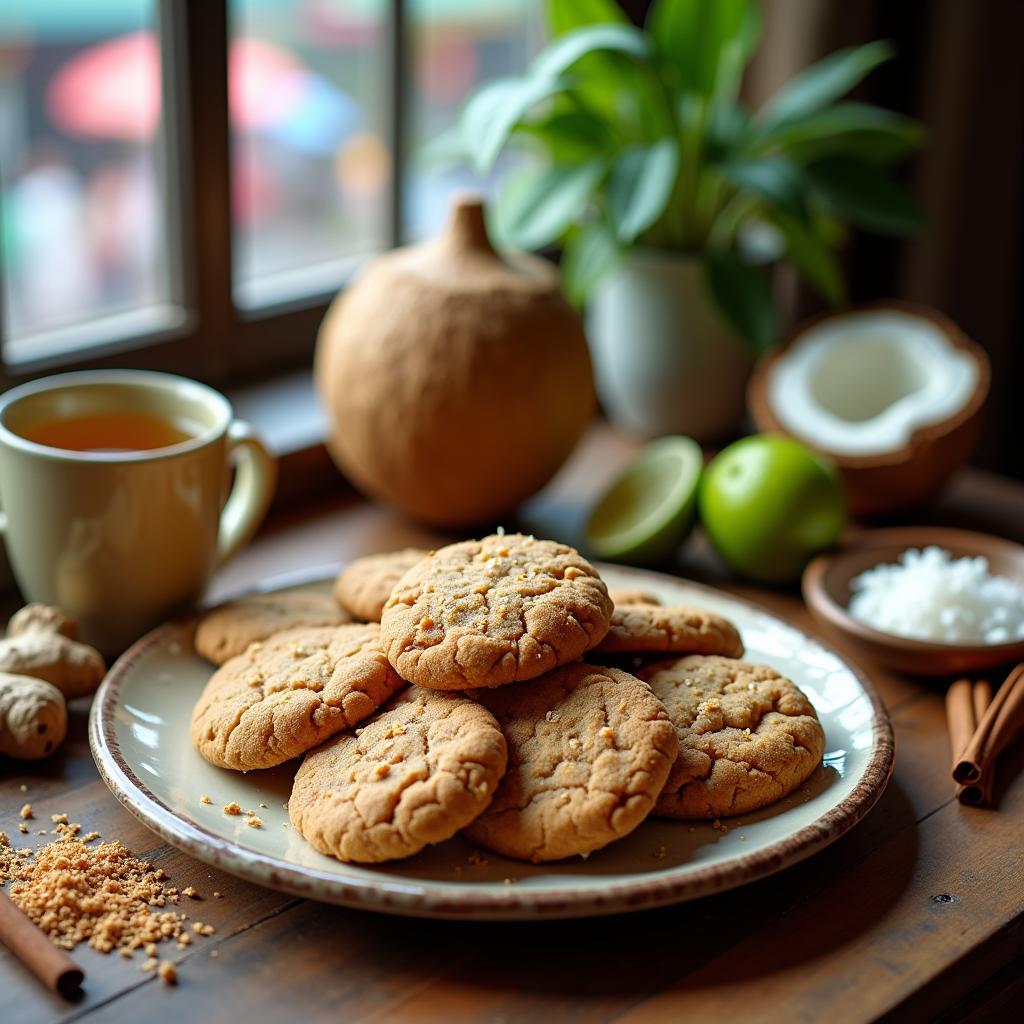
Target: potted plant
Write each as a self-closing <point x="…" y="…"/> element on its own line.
<point x="665" y="193"/>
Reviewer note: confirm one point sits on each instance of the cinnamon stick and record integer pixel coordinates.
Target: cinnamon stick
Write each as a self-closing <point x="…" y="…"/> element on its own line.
<point x="979" y="794"/>
<point x="996" y="730"/>
<point x="960" y="720"/>
<point x="982" y="694"/>
<point x="50" y="964"/>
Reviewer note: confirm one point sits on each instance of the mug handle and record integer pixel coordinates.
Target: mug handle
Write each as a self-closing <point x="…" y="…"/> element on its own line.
<point x="250" y="497"/>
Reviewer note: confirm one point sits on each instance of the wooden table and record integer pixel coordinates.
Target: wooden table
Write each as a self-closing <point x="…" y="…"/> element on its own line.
<point x="916" y="913"/>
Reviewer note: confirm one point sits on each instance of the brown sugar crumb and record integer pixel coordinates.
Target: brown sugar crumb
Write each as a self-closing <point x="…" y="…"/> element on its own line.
<point x="100" y="894"/>
<point x="26" y="811"/>
<point x="607" y="732"/>
<point x="190" y="892"/>
<point x="59" y="819"/>
<point x="204" y="799"/>
<point x="167" y="973"/>
<point x="22" y="827"/>
<point x="233" y="808"/>
<point x="202" y="929"/>
<point x="253" y="822"/>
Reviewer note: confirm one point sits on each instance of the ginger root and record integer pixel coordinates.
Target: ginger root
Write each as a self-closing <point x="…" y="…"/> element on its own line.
<point x="33" y="717"/>
<point x="43" y="642"/>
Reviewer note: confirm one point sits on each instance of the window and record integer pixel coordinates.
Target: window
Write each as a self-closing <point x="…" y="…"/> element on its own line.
<point x="186" y="184"/>
<point x="84" y="225"/>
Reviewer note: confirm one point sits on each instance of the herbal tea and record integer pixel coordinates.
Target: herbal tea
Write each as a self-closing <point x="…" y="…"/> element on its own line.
<point x="108" y="432"/>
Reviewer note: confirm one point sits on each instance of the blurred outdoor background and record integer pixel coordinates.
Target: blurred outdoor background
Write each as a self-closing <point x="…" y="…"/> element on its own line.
<point x="86" y="206"/>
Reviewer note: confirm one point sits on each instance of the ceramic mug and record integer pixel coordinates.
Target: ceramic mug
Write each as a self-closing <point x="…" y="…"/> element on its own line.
<point x="123" y="539"/>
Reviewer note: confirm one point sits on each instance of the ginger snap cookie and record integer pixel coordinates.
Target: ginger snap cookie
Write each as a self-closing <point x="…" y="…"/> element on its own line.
<point x="227" y="631"/>
<point x="493" y="611"/>
<point x="289" y="693"/>
<point x="639" y="628"/>
<point x="365" y="584"/>
<point x="412" y="775"/>
<point x="747" y="736"/>
<point x="589" y="751"/>
<point x="624" y="595"/>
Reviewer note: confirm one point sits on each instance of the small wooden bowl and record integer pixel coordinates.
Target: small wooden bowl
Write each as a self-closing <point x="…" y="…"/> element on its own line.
<point x="826" y="590"/>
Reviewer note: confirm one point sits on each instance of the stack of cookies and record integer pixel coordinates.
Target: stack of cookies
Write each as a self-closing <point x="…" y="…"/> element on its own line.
<point x="497" y="688"/>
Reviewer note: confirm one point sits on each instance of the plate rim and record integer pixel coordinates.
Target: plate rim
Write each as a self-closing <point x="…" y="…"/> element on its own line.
<point x="418" y="897"/>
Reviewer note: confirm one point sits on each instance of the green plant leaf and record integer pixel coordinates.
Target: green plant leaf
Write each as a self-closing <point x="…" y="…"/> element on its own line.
<point x="866" y="195"/>
<point x="775" y="179"/>
<point x="744" y="296"/>
<point x="443" y="151"/>
<point x="538" y="205"/>
<point x="639" y="187"/>
<point x="489" y="117"/>
<point x="565" y="51"/>
<point x="854" y="129"/>
<point x="703" y="42"/>
<point x="728" y="133"/>
<point x="591" y="253"/>
<point x="563" y="16"/>
<point x="822" y="83"/>
<point x="812" y="257"/>
<point x="569" y="136"/>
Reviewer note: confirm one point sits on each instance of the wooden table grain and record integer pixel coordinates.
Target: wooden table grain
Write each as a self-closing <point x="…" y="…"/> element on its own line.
<point x="915" y="914"/>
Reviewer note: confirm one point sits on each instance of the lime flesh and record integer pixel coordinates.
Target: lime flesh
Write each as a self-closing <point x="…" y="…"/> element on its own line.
<point x="649" y="510"/>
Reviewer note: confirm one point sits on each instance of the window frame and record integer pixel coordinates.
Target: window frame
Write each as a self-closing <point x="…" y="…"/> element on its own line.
<point x="212" y="337"/>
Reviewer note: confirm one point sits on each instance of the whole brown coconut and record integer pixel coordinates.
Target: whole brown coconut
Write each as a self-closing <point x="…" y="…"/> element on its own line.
<point x="456" y="380"/>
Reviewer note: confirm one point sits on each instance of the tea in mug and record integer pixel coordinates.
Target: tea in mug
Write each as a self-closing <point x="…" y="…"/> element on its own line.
<point x="126" y="431"/>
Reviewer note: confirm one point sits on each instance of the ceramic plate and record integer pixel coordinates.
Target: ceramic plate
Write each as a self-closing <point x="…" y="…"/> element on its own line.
<point x="139" y="738"/>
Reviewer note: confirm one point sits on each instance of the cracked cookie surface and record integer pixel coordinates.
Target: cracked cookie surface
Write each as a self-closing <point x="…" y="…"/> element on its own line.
<point x="494" y="611"/>
<point x="284" y="696"/>
<point x="413" y="775"/>
<point x="589" y="750"/>
<point x="747" y="736"/>
<point x="227" y="631"/>
<point x="639" y="628"/>
<point x="364" y="585"/>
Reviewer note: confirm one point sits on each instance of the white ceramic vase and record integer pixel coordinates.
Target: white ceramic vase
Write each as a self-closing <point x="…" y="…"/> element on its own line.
<point x="664" y="360"/>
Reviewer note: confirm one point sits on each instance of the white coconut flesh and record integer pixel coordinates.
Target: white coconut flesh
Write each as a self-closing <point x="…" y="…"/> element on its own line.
<point x="863" y="383"/>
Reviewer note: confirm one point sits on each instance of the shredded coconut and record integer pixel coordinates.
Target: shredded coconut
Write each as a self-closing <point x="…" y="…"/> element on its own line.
<point x="930" y="595"/>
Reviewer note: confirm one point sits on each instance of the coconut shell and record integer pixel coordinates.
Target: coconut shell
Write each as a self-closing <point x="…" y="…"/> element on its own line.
<point x="456" y="380"/>
<point x="904" y="478"/>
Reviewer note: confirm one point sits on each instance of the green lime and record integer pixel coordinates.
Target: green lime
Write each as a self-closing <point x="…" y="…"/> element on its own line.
<point x="649" y="510"/>
<point x="770" y="503"/>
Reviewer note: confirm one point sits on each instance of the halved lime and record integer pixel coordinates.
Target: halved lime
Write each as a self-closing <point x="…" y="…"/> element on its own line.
<point x="649" y="510"/>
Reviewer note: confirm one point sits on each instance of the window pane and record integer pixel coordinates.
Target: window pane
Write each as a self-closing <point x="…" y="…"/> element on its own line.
<point x="311" y="167"/>
<point x="82" y="201"/>
<point x="455" y="46"/>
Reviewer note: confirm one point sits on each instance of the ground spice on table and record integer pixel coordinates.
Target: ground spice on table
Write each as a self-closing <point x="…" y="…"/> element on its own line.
<point x="101" y="894"/>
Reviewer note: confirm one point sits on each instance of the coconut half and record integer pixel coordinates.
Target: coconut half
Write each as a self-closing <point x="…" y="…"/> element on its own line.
<point x="892" y="392"/>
